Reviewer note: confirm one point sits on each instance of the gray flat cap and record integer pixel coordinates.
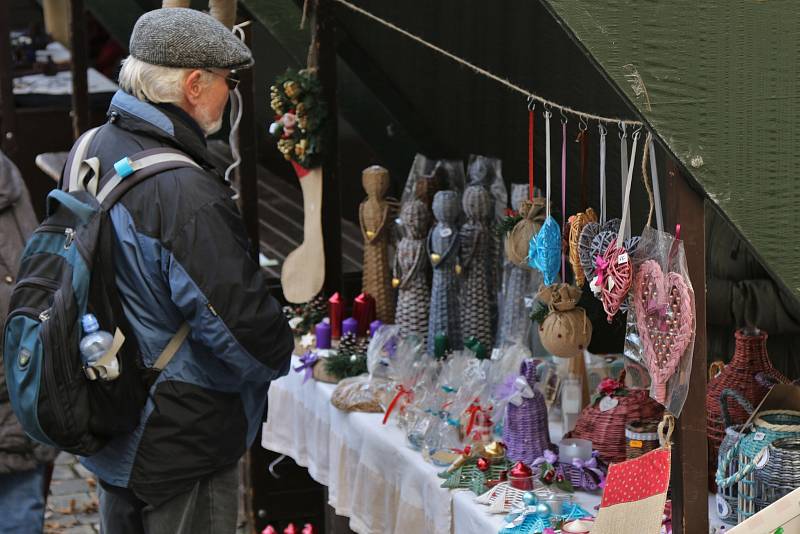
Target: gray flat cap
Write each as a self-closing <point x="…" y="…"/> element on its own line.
<point x="187" y="38"/>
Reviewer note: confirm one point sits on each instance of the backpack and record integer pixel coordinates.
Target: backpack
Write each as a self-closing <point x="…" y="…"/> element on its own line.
<point x="66" y="271"/>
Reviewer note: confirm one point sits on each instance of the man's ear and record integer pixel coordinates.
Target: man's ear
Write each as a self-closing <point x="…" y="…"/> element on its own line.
<point x="192" y="88"/>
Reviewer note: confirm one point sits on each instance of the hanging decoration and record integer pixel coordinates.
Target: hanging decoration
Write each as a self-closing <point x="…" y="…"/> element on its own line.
<point x="614" y="273"/>
<point x="300" y="113"/>
<point x="565" y="331"/>
<point x="544" y="252"/>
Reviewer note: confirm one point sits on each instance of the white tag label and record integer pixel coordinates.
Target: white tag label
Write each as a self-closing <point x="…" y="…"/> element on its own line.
<point x="622" y="258"/>
<point x="759" y="436"/>
<point x="528" y="302"/>
<point x="295" y="321"/>
<point x="608" y="403"/>
<point x="762" y="458"/>
<point x="611" y="283"/>
<point x="445" y="232"/>
<point x="723" y="510"/>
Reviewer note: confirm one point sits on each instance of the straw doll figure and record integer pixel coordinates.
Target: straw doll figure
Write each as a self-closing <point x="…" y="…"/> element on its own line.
<point x="411" y="270"/>
<point x="443" y="249"/>
<point x="475" y="244"/>
<point x="375" y="215"/>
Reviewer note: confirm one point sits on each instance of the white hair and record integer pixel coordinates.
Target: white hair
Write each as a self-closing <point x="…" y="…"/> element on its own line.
<point x="154" y="83"/>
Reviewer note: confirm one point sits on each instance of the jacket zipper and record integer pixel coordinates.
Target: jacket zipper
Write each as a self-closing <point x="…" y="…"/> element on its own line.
<point x="39" y="282"/>
<point x="52" y="383"/>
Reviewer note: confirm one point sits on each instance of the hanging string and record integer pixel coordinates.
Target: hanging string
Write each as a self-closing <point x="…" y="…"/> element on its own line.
<point x="547" y="116"/>
<point x="626" y="206"/>
<point x="624" y="229"/>
<point x="583" y="133"/>
<point x="603" y="133"/>
<point x="484" y="72"/>
<point x="563" y="192"/>
<point x="656" y="187"/>
<point x="646" y="179"/>
<point x="531" y="136"/>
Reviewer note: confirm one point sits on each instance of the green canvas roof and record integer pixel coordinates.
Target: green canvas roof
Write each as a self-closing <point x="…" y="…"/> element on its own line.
<point x="719" y="84"/>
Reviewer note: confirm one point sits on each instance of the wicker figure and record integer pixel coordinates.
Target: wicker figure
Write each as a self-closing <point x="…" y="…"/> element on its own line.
<point x="526" y="432"/>
<point x="476" y="242"/>
<point x="521" y="280"/>
<point x="443" y="246"/>
<point x="374" y="215"/>
<point x="410" y="271"/>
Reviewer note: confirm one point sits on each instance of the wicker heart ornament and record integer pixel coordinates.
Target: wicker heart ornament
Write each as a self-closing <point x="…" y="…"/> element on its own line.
<point x="665" y="317"/>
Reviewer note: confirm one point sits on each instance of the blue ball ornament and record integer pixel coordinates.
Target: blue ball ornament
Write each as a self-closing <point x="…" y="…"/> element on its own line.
<point x="529" y="499"/>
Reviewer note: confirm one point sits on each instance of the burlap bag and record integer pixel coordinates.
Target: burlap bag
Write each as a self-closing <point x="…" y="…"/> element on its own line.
<point x="519" y="238"/>
<point x="566" y="331"/>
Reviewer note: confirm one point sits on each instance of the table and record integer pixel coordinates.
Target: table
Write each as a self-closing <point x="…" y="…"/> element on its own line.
<point x="373" y="478"/>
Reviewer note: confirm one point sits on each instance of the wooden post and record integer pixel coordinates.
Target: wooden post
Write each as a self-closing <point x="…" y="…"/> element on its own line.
<point x="8" y="124"/>
<point x="689" y="458"/>
<point x="80" y="56"/>
<point x="248" y="149"/>
<point x="324" y="39"/>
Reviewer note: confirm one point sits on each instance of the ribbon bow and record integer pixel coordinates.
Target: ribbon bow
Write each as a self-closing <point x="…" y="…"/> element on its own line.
<point x="601" y="269"/>
<point x="473" y="411"/>
<point x="401" y="392"/>
<point x="591" y="465"/>
<point x="307" y="362"/>
<point x="515" y="390"/>
<point x="547" y="456"/>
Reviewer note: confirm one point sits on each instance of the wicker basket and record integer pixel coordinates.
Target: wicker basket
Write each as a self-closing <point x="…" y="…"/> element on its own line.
<point x="606" y="430"/>
<point x="769" y="426"/>
<point x="640" y="437"/>
<point x="526" y="432"/>
<point x="749" y="360"/>
<point x="781" y="474"/>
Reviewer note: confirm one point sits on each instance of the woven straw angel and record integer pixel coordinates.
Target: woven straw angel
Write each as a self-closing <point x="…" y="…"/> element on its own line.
<point x="476" y="242"/>
<point x="411" y="270"/>
<point x="443" y="249"/>
<point x="374" y="215"/>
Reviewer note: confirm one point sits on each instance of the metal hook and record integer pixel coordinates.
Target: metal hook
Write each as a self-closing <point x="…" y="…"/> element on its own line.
<point x="564" y="119"/>
<point x="531" y="103"/>
<point x="547" y="113"/>
<point x="638" y="130"/>
<point x="602" y="128"/>
<point x="274" y="464"/>
<point x="582" y="124"/>
<point x="623" y="132"/>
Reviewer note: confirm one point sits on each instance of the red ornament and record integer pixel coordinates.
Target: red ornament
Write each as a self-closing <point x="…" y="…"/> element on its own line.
<point x="520" y="470"/>
<point x="269" y="530"/>
<point x="336" y="315"/>
<point x="549" y="476"/>
<point x="291" y="529"/>
<point x="308" y="528"/>
<point x="483" y="464"/>
<point x="559" y="478"/>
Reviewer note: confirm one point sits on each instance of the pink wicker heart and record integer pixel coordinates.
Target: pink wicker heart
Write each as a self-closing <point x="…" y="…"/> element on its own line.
<point x="665" y="318"/>
<point x="617" y="278"/>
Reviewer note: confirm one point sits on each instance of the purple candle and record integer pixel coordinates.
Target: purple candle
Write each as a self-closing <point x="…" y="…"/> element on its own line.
<point x="374" y="326"/>
<point x="323" y="332"/>
<point x="350" y="325"/>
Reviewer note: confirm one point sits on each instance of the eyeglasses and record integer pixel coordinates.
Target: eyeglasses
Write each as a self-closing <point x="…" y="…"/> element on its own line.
<point x="232" y="79"/>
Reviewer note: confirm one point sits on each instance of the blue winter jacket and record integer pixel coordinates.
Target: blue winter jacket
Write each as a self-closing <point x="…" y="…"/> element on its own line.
<point x="182" y="255"/>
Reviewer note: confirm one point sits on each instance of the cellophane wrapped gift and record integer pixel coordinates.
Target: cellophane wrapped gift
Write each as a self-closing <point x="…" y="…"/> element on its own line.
<point x="403" y="362"/>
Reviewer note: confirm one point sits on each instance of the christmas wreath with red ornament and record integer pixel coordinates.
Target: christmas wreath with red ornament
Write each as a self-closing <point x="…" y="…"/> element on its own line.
<point x="300" y="112"/>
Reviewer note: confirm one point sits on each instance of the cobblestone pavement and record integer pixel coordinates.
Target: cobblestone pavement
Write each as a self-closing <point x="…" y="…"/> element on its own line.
<point x="72" y="504"/>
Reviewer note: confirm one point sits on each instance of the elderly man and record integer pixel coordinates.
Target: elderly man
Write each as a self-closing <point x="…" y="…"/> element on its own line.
<point x="182" y="255"/>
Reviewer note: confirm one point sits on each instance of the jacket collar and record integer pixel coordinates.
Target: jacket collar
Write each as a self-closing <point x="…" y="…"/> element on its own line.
<point x="160" y="122"/>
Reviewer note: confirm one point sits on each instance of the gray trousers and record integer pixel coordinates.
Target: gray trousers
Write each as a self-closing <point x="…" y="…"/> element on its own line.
<point x="210" y="507"/>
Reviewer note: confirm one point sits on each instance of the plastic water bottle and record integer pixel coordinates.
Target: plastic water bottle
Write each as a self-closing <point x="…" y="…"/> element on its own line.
<point x="93" y="346"/>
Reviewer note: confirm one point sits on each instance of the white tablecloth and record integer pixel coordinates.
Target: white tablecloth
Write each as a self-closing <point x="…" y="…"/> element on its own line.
<point x="373" y="478"/>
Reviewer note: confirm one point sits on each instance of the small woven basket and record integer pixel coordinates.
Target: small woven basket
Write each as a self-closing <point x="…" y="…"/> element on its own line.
<point x="769" y="426"/>
<point x="606" y="429"/>
<point x="640" y="437"/>
<point x="526" y="432"/>
<point x="582" y="478"/>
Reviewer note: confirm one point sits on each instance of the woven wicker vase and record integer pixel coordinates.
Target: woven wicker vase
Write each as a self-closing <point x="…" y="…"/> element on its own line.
<point x="606" y="430"/>
<point x="749" y="359"/>
<point x="526" y="433"/>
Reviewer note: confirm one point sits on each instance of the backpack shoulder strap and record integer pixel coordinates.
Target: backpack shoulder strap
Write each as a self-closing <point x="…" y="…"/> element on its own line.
<point x="71" y="177"/>
<point x="130" y="171"/>
<point x="172" y="347"/>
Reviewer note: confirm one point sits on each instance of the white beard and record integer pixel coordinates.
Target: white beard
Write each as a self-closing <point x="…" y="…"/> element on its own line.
<point x="208" y="124"/>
